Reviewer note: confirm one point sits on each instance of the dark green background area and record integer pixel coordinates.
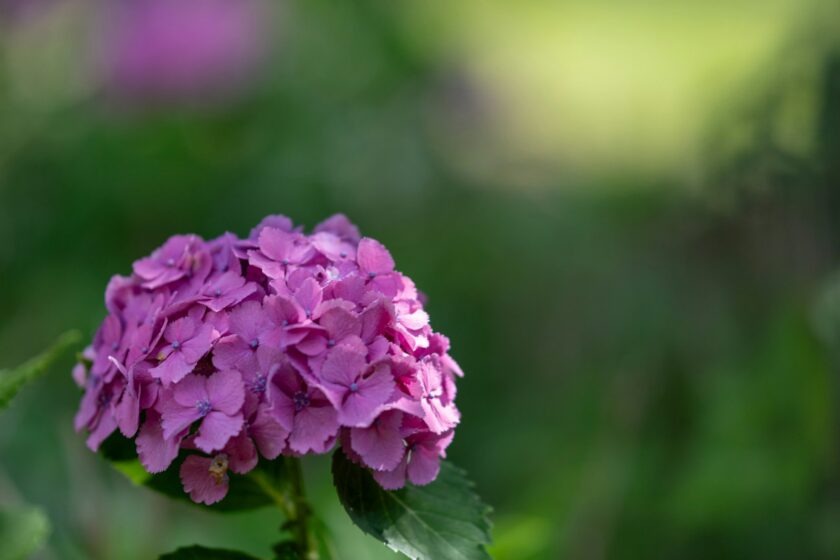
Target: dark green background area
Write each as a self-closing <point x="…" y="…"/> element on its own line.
<point x="650" y="361"/>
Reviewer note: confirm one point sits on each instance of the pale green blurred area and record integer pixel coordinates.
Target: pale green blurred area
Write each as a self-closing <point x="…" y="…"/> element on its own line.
<point x="623" y="213"/>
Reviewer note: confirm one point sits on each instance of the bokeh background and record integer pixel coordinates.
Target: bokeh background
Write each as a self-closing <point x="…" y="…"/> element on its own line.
<point x="625" y="216"/>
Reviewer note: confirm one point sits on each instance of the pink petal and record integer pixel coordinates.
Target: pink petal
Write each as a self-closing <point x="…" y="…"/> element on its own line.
<point x="415" y="320"/>
<point x="155" y="452"/>
<point x="312" y="345"/>
<point x="424" y="466"/>
<point x="309" y="295"/>
<point x="242" y="455"/>
<point x="361" y="407"/>
<point x="195" y="348"/>
<point x="105" y="427"/>
<point x="269" y="435"/>
<point x="438" y="417"/>
<point x="373" y="257"/>
<point x="393" y="479"/>
<point x="173" y="369"/>
<point x="380" y="446"/>
<point x="177" y="419"/>
<point x="229" y="351"/>
<point x="180" y="330"/>
<point x="340" y="323"/>
<point x="128" y="413"/>
<point x="226" y="391"/>
<point x="248" y="320"/>
<point x="275" y="244"/>
<point x="216" y="429"/>
<point x="314" y="427"/>
<point x="339" y="225"/>
<point x="199" y="484"/>
<point x="190" y="391"/>
<point x="343" y="365"/>
<point x="376" y="319"/>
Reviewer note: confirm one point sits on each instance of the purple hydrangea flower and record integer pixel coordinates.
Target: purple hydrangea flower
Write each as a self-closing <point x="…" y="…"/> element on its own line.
<point x="215" y="354"/>
<point x="216" y="401"/>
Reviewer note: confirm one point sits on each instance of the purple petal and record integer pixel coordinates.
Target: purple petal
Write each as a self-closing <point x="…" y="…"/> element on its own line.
<point x="216" y="429"/>
<point x="381" y="445"/>
<point x="191" y="390"/>
<point x="199" y="483"/>
<point x="373" y="257"/>
<point x="275" y="244"/>
<point x="242" y="455"/>
<point x="342" y="366"/>
<point x="128" y="413"/>
<point x="177" y="418"/>
<point x="313" y="429"/>
<point x="339" y="225"/>
<point x="105" y="427"/>
<point x="424" y="465"/>
<point x="173" y="369"/>
<point x="309" y="295"/>
<point x="248" y="320"/>
<point x="229" y="351"/>
<point x="361" y="407"/>
<point x="226" y="391"/>
<point x="269" y="435"/>
<point x="196" y="347"/>
<point x="340" y="323"/>
<point x="393" y="479"/>
<point x="155" y="452"/>
<point x="276" y="221"/>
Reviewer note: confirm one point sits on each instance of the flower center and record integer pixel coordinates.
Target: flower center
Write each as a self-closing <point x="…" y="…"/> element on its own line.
<point x="354" y="387"/>
<point x="371" y="275"/>
<point x="331" y="342"/>
<point x="254" y="343"/>
<point x="170" y="263"/>
<point x="258" y="386"/>
<point x="176" y="345"/>
<point x="218" y="468"/>
<point x="204" y="407"/>
<point x="301" y="400"/>
<point x="217" y="292"/>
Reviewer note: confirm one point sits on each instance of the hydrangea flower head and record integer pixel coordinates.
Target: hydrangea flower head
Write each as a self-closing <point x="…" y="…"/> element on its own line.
<point x="217" y="354"/>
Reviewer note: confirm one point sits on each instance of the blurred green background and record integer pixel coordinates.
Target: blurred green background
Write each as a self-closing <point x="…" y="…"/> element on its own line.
<point x="625" y="216"/>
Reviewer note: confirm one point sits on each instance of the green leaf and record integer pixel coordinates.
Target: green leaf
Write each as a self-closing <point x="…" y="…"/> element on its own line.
<point x="444" y="520"/>
<point x="12" y="380"/>
<point x="22" y="532"/>
<point x="259" y="488"/>
<point x="197" y="552"/>
<point x="286" y="550"/>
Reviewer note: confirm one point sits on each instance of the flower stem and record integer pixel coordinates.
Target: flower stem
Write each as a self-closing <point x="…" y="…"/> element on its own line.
<point x="291" y="500"/>
<point x="299" y="513"/>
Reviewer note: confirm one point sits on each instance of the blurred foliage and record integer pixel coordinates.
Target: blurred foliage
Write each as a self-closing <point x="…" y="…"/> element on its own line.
<point x="11" y="381"/>
<point x="22" y="531"/>
<point x="644" y="377"/>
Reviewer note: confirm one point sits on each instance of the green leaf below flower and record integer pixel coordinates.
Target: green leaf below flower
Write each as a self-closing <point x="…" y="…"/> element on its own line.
<point x="197" y="552"/>
<point x="444" y="520"/>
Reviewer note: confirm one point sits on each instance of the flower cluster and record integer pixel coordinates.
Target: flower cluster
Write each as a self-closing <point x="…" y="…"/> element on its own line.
<point x="215" y="353"/>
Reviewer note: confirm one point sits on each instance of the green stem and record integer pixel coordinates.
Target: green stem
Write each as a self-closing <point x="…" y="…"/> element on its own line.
<point x="292" y="501"/>
<point x="304" y="537"/>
